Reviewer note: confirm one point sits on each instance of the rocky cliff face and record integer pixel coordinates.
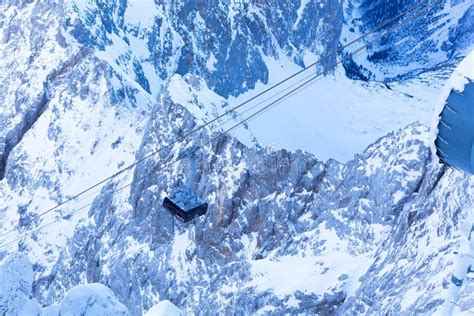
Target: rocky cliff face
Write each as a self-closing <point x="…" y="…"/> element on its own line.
<point x="64" y="110"/>
<point x="224" y="42"/>
<point x="284" y="232"/>
<point x="228" y="44"/>
<point x="85" y="92"/>
<point x="428" y="41"/>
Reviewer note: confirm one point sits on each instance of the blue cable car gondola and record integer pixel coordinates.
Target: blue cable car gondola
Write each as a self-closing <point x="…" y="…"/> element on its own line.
<point x="455" y="139"/>
<point x="183" y="202"/>
<point x="455" y="147"/>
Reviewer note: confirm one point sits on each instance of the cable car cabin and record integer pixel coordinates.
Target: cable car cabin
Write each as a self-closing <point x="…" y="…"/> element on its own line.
<point x="185" y="205"/>
<point x="455" y="139"/>
<point x="182" y="202"/>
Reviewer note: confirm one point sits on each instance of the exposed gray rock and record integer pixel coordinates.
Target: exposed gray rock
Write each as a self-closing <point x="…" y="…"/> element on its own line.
<point x="281" y="200"/>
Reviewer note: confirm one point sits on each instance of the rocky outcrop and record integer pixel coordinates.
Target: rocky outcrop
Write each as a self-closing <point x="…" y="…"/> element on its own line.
<point x="267" y="208"/>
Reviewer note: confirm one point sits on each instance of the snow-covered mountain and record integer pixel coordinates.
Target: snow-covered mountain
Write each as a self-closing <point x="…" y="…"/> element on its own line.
<point x="244" y="45"/>
<point x="88" y="87"/>
<point x="430" y="40"/>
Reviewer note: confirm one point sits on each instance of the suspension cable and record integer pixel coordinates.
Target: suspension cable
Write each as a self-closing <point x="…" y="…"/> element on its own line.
<point x="180" y="139"/>
<point x="250" y="117"/>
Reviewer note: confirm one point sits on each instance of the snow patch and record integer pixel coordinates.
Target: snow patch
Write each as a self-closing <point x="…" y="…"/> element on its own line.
<point x="335" y="117"/>
<point x="141" y="13"/>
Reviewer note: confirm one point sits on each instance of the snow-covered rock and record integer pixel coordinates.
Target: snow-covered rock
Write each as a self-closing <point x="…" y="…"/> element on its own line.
<point x="436" y="33"/>
<point x="164" y="308"/>
<point x="16" y="282"/>
<point x="88" y="300"/>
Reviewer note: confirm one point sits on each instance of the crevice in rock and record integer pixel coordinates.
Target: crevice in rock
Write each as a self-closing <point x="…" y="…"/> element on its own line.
<point x="14" y="136"/>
